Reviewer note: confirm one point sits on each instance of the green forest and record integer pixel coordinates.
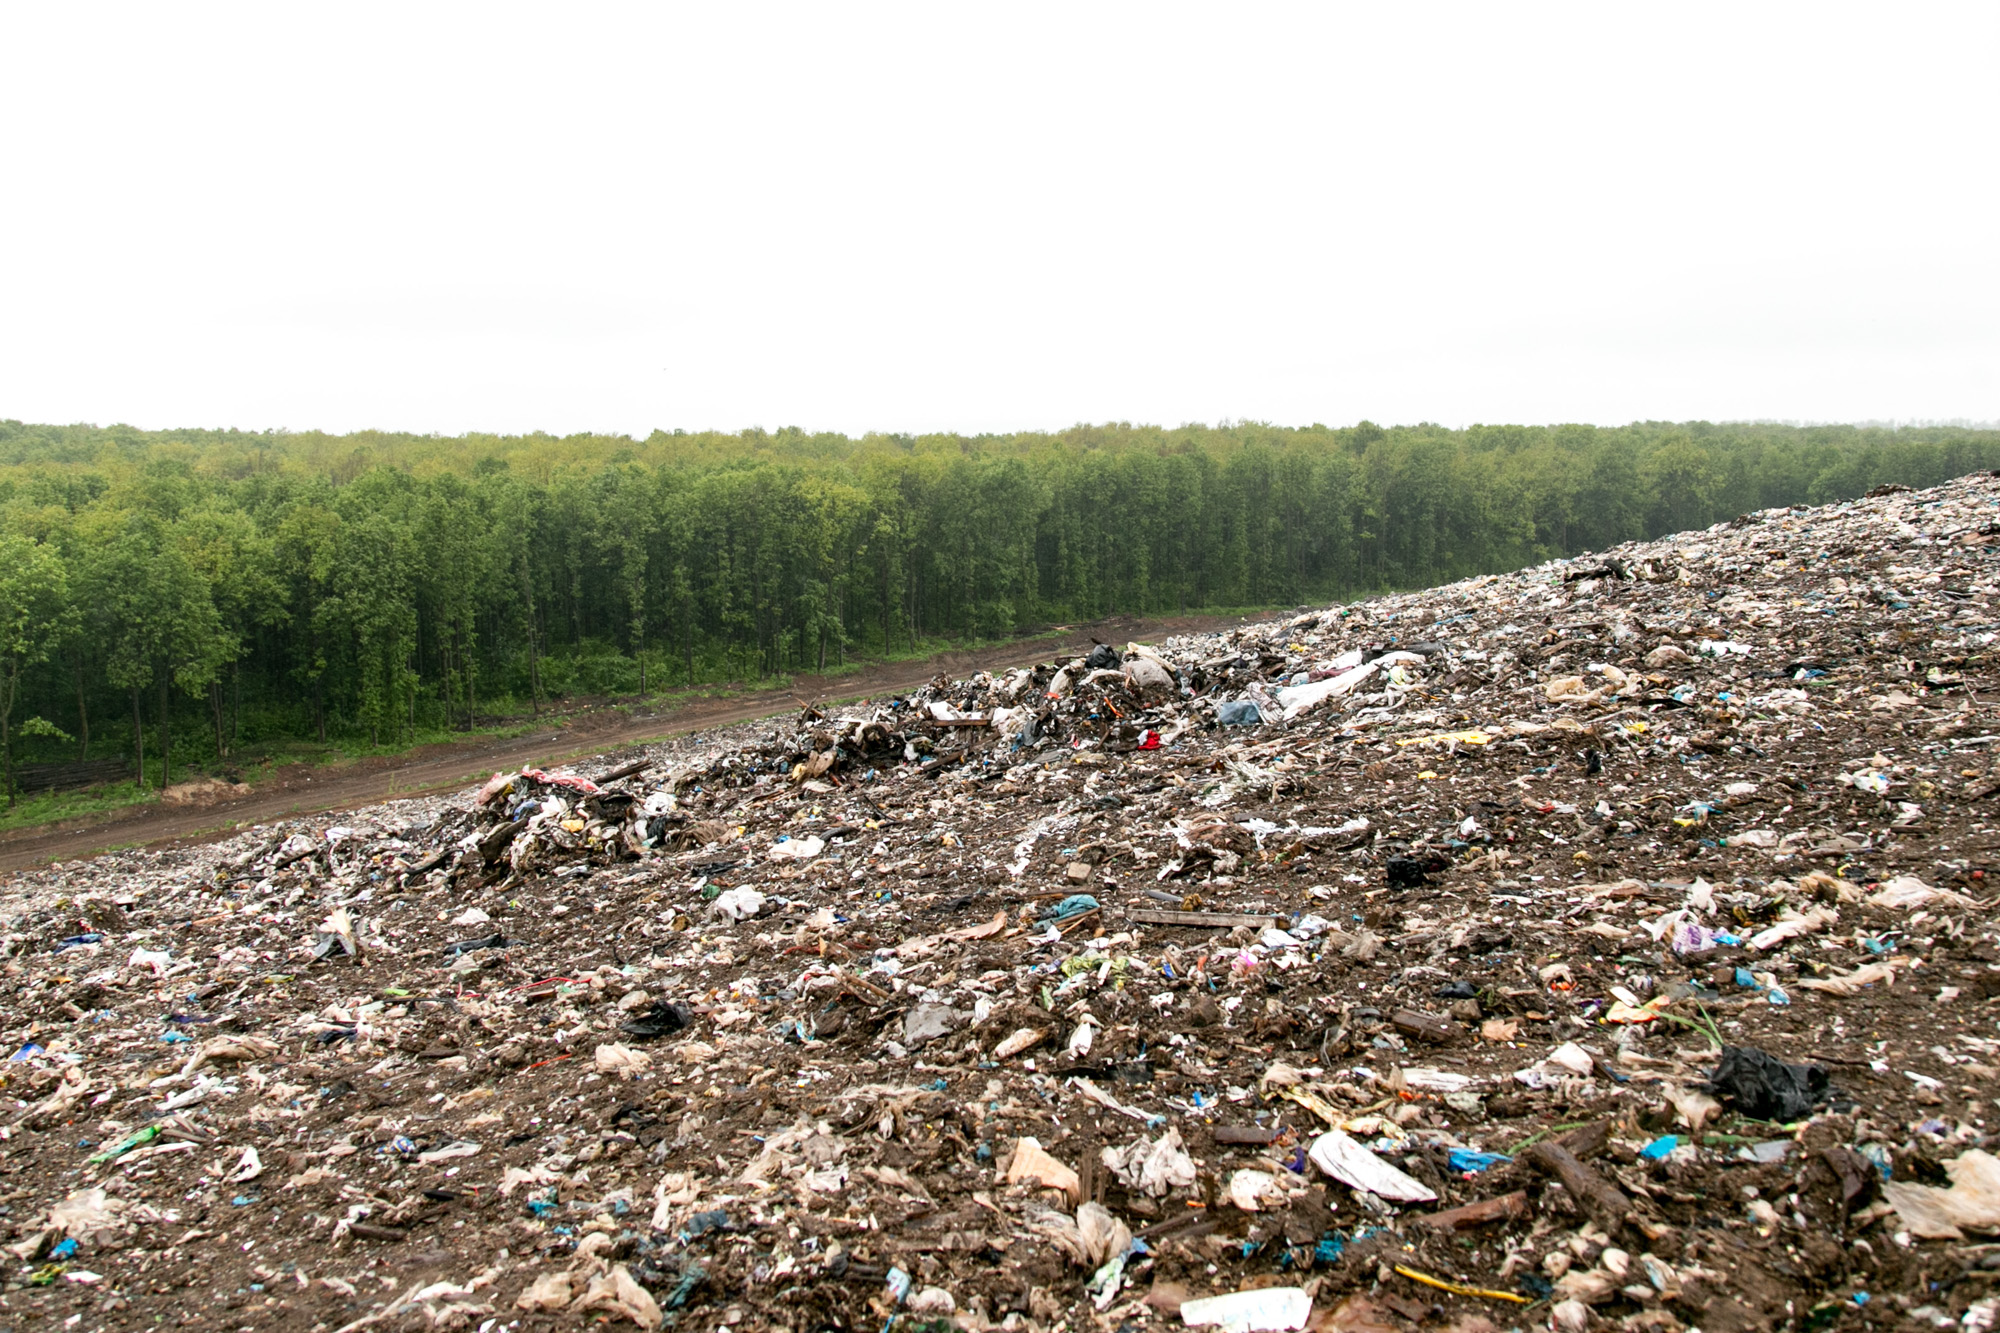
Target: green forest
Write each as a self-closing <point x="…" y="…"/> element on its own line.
<point x="190" y="595"/>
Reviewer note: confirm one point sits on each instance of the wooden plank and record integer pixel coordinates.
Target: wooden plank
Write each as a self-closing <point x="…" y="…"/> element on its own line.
<point x="1253" y="1134"/>
<point x="1422" y="1026"/>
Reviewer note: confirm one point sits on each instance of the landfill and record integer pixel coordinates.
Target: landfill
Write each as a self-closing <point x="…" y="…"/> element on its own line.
<point x="1604" y="945"/>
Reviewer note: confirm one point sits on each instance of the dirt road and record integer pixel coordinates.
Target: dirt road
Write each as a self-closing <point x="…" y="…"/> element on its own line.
<point x="309" y="789"/>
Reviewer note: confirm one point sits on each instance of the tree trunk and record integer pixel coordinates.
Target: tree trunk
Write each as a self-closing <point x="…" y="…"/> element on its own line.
<point x="138" y="740"/>
<point x="319" y="711"/>
<point x="215" y="714"/>
<point x="166" y="736"/>
<point x="236" y="701"/>
<point x="534" y="666"/>
<point x="534" y="656"/>
<point x="82" y="715"/>
<point x="7" y="743"/>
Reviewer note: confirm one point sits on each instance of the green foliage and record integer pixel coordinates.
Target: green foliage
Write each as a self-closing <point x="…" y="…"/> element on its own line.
<point x="41" y="726"/>
<point x="34" y="612"/>
<point x="383" y="588"/>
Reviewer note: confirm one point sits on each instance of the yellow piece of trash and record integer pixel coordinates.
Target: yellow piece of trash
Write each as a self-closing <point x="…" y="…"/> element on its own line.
<point x="1459" y="1288"/>
<point x="1474" y="737"/>
<point x="1313" y="1102"/>
<point x="1427" y="776"/>
<point x="1622" y="1012"/>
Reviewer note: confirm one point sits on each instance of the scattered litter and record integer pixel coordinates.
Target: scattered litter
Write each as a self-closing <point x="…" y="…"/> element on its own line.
<point x="1426" y="951"/>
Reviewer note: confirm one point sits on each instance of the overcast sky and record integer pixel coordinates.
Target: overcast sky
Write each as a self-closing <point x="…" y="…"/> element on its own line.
<point x="950" y="217"/>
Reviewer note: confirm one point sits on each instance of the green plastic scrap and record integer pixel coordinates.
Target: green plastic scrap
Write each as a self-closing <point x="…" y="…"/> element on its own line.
<point x="125" y="1145"/>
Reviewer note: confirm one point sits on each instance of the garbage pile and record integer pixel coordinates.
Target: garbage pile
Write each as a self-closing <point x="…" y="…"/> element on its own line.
<point x="1606" y="945"/>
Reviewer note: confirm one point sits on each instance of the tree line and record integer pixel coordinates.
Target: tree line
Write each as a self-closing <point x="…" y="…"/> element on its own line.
<point x="204" y="590"/>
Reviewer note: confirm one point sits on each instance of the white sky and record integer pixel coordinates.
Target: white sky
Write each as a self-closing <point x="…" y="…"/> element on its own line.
<point x="948" y="217"/>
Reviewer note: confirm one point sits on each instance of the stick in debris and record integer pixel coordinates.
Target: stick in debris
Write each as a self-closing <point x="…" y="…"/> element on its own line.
<point x="1503" y="1209"/>
<point x="1212" y="920"/>
<point x="632" y="769"/>
<point x="1600" y="1198"/>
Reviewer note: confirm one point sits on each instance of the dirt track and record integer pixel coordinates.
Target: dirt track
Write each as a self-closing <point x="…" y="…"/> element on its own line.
<point x="303" y="788"/>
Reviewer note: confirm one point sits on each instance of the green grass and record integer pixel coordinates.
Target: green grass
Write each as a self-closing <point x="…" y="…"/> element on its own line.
<point x="47" y="807"/>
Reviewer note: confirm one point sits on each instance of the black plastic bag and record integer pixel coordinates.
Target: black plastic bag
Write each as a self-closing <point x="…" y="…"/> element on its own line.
<point x="1763" y="1087"/>
<point x="1406" y="873"/>
<point x="1102" y="658"/>
<point x="663" y="1019"/>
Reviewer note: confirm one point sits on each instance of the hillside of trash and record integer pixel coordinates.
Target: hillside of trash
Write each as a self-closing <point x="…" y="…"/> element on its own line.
<point x="1604" y="945"/>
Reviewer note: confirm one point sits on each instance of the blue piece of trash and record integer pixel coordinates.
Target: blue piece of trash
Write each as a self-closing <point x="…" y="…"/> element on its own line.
<point x="64" y="1248"/>
<point x="175" y="1038"/>
<point x="1074" y="905"/>
<point x="1660" y="1147"/>
<point x="26" y="1052"/>
<point x="710" y="1219"/>
<point x="1746" y="980"/>
<point x="1464" y="1159"/>
<point x="1238" y="713"/>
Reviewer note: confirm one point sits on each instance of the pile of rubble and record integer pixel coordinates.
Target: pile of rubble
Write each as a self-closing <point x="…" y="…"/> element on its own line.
<point x="1607" y="944"/>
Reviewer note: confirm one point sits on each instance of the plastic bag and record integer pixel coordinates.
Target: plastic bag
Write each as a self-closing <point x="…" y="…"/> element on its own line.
<point x="1763" y="1087"/>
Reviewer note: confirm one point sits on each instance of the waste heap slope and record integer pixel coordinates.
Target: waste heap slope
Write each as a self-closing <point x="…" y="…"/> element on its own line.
<point x="1605" y="944"/>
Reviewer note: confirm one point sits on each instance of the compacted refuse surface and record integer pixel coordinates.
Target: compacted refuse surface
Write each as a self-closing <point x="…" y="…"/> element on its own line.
<point x="1609" y="944"/>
